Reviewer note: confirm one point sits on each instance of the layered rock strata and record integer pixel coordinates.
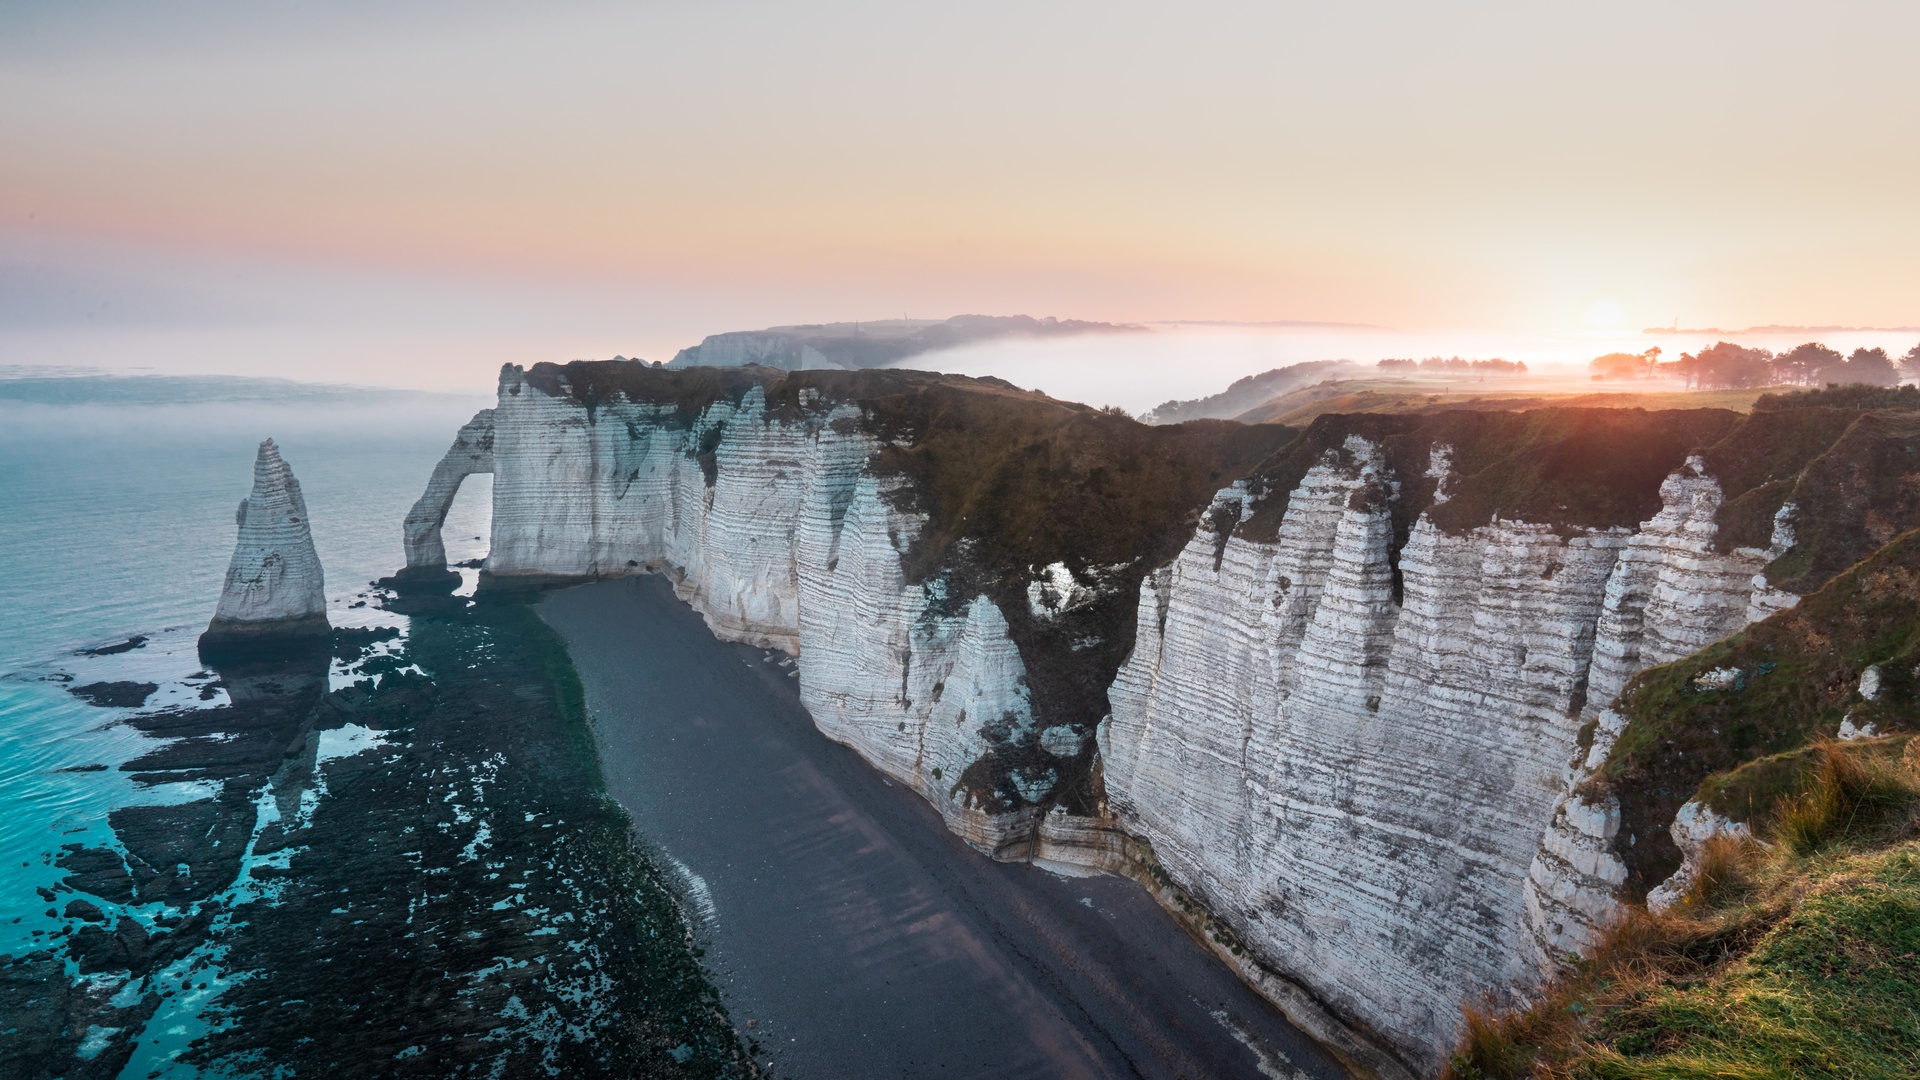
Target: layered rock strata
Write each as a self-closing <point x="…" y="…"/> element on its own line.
<point x="1348" y="752"/>
<point x="274" y="590"/>
<point x="1671" y="594"/>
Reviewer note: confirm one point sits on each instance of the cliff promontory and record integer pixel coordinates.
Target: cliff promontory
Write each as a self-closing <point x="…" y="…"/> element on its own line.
<point x="955" y="561"/>
<point x="881" y="343"/>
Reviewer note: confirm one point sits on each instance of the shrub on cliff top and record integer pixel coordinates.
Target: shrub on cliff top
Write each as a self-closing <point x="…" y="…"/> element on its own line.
<point x="1856" y="396"/>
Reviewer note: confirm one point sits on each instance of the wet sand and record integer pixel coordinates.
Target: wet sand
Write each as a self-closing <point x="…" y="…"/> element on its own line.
<point x="852" y="935"/>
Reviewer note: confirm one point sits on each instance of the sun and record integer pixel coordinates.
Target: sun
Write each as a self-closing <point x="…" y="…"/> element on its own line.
<point x="1606" y="314"/>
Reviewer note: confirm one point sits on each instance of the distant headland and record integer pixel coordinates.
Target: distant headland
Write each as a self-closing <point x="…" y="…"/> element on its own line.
<point x="852" y="345"/>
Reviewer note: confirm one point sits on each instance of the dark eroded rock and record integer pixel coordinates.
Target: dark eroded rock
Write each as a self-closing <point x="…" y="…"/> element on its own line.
<point x="117" y="647"/>
<point x="115" y="695"/>
<point x="85" y="911"/>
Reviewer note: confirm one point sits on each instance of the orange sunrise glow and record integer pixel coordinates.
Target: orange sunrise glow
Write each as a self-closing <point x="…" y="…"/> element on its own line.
<point x="416" y="193"/>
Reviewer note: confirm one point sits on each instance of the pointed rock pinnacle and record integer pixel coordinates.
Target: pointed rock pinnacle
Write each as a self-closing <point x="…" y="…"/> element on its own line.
<point x="274" y="588"/>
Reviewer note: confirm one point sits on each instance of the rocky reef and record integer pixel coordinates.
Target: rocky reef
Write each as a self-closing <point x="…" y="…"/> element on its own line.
<point x="275" y="591"/>
<point x="395" y="861"/>
<point x="1340" y="691"/>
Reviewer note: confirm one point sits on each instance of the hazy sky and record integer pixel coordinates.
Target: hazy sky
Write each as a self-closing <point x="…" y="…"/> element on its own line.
<point x="415" y="192"/>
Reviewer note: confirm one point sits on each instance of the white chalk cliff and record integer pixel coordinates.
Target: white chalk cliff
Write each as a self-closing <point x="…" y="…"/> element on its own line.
<point x="1376" y="796"/>
<point x="1369" y="784"/>
<point x="782" y="538"/>
<point x="274" y="585"/>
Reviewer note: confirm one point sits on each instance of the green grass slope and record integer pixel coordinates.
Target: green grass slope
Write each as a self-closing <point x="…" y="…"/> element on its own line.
<point x="1797" y="956"/>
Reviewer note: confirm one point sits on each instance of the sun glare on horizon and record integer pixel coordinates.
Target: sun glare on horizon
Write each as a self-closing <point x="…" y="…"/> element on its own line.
<point x="1606" y="313"/>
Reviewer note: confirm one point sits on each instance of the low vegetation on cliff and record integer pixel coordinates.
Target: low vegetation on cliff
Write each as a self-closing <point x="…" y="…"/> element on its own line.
<point x="1580" y="468"/>
<point x="1842" y="458"/>
<point x="1793" y="956"/>
<point x="1796" y="951"/>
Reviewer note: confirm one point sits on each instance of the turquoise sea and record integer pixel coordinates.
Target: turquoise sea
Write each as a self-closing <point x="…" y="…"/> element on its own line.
<point x="116" y="520"/>
<point x="396" y="857"/>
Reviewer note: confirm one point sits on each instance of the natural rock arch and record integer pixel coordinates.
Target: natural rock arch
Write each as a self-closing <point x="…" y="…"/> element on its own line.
<point x="471" y="452"/>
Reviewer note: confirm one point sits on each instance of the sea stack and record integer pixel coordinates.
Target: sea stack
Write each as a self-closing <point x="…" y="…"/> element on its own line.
<point x="274" y="594"/>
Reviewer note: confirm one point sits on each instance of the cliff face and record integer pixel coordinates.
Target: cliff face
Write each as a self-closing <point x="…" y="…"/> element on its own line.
<point x="274" y="586"/>
<point x="1370" y="719"/>
<point x="472" y="452"/>
<point x="790" y="547"/>
<point x="1359" y="785"/>
<point x="1356" y="713"/>
<point x="801" y="514"/>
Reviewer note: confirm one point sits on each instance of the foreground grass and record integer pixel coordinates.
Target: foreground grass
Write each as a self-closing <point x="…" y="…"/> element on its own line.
<point x="1796" y="956"/>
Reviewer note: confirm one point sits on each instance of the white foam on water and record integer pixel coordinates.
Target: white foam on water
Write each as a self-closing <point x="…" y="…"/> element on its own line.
<point x="347" y="741"/>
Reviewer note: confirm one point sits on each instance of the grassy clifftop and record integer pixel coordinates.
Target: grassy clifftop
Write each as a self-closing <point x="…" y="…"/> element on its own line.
<point x="1845" y="459"/>
<point x="1581" y="468"/>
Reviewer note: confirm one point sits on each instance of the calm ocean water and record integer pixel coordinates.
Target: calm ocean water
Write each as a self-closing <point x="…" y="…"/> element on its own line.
<point x="117" y="520"/>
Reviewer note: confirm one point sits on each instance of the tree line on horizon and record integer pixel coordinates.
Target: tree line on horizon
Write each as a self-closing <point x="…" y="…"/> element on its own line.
<point x="1726" y="366"/>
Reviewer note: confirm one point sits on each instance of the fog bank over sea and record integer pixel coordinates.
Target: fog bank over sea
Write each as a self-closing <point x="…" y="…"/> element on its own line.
<point x="1136" y="371"/>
